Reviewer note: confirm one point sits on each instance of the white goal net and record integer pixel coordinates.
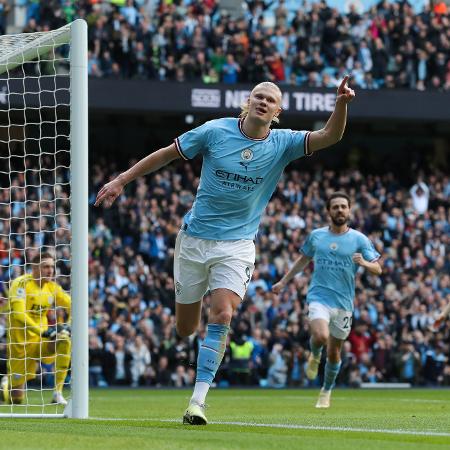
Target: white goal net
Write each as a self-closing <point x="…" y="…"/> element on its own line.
<point x="43" y="147"/>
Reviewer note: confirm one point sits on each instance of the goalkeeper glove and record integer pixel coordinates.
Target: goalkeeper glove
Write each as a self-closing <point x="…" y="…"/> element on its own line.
<point x="60" y="331"/>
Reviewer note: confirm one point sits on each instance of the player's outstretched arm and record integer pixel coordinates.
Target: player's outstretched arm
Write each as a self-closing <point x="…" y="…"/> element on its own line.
<point x="373" y="267"/>
<point x="298" y="266"/>
<point x="110" y="191"/>
<point x="334" y="128"/>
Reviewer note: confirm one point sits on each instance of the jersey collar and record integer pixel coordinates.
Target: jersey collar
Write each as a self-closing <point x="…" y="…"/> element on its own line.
<point x="338" y="234"/>
<point x="241" y="129"/>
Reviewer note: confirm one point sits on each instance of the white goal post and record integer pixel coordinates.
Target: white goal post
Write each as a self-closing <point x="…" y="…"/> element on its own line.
<point x="44" y="198"/>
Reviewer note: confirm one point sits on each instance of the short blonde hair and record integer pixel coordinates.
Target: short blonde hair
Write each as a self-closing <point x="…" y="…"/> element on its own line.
<point x="264" y="84"/>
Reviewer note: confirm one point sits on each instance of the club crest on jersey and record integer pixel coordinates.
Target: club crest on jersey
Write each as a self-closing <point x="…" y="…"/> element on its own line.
<point x="333" y="246"/>
<point x="51" y="299"/>
<point x="247" y="155"/>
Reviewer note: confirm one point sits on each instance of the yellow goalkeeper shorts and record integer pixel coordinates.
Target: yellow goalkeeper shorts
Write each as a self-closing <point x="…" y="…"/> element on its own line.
<point x="23" y="359"/>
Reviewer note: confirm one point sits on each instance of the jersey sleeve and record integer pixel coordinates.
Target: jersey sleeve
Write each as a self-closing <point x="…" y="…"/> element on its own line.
<point x="195" y="141"/>
<point x="17" y="293"/>
<point x="296" y="145"/>
<point x="368" y="250"/>
<point x="17" y="301"/>
<point x="308" y="247"/>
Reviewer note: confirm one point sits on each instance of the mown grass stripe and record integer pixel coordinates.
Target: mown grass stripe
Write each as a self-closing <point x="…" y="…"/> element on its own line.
<point x="290" y="426"/>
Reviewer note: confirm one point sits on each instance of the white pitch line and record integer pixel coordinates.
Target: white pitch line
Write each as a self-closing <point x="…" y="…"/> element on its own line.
<point x="291" y="426"/>
<point x="421" y="400"/>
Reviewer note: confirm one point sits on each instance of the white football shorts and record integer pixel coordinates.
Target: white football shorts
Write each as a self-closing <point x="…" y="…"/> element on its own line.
<point x="202" y="264"/>
<point x="339" y="320"/>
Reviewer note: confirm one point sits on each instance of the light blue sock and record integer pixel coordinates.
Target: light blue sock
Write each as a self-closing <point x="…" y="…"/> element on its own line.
<point x="331" y="372"/>
<point x="315" y="350"/>
<point x="211" y="352"/>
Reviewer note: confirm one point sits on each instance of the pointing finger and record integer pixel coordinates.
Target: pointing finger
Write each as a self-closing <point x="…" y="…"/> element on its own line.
<point x="343" y="82"/>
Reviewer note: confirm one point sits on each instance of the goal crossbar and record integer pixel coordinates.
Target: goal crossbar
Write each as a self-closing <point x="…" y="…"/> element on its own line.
<point x="13" y="53"/>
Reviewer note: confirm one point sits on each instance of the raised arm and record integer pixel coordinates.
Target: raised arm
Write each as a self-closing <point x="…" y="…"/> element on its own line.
<point x="334" y="128"/>
<point x="298" y="266"/>
<point x="110" y="191"/>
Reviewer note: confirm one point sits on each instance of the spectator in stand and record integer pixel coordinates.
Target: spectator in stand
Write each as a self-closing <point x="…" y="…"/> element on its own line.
<point x="140" y="362"/>
<point x="408" y="363"/>
<point x="360" y="339"/>
<point x="230" y="70"/>
<point x="278" y="368"/>
<point x="123" y="359"/>
<point x="163" y="373"/>
<point x="241" y="352"/>
<point x="420" y="194"/>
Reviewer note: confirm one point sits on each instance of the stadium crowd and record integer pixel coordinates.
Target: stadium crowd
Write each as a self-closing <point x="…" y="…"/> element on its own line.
<point x="132" y="332"/>
<point x="132" y="338"/>
<point x="314" y="45"/>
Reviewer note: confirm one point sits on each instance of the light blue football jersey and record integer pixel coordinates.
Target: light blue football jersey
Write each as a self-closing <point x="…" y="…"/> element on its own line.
<point x="238" y="177"/>
<point x="333" y="279"/>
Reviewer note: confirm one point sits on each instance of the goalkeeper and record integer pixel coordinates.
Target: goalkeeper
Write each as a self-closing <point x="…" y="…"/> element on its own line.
<point x="30" y="339"/>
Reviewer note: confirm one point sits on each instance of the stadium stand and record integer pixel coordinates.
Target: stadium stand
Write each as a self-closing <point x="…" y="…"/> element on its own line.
<point x="131" y="283"/>
<point x="389" y="46"/>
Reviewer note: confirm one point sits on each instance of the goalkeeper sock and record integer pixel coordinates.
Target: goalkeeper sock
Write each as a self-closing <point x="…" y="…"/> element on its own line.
<point x="209" y="359"/>
<point x="5" y="389"/>
<point x="331" y="372"/>
<point x="315" y="350"/>
<point x="62" y="363"/>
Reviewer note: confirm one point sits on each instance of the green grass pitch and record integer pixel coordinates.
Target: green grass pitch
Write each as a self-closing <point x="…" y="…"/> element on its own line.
<point x="245" y="419"/>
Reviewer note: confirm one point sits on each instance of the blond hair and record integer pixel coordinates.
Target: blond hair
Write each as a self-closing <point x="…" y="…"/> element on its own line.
<point x="264" y="84"/>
